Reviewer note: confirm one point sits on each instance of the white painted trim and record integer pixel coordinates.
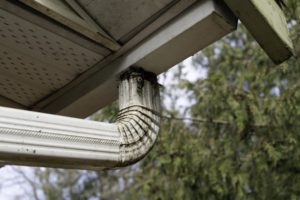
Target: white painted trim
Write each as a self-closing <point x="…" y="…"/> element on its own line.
<point x="166" y="17"/>
<point x="197" y="27"/>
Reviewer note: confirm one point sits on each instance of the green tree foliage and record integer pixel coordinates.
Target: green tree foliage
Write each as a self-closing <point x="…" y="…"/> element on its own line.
<point x="241" y="143"/>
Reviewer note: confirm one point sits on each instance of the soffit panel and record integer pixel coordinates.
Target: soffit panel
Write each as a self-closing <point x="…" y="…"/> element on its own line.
<point x="35" y="62"/>
<point x="47" y="66"/>
<point x="119" y="18"/>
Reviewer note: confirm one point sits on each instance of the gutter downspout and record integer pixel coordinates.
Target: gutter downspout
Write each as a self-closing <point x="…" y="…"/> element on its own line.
<point x="38" y="139"/>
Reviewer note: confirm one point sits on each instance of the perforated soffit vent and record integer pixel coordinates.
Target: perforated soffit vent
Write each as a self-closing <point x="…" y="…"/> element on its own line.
<point x="69" y="13"/>
<point x="35" y="62"/>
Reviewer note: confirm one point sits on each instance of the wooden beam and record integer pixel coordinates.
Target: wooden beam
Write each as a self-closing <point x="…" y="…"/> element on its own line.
<point x="266" y="22"/>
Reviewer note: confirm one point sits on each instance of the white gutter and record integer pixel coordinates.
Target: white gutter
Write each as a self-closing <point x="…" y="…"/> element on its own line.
<point x="37" y="139"/>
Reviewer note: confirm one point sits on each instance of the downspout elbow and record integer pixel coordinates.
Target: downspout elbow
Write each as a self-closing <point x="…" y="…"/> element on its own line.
<point x="138" y="120"/>
<point x="39" y="139"/>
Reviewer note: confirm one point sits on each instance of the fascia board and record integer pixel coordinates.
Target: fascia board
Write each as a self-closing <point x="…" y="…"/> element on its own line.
<point x="196" y="28"/>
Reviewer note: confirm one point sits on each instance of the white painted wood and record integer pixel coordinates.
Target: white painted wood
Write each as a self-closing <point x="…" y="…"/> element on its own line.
<point x="197" y="27"/>
<point x="266" y="22"/>
<point x="38" y="139"/>
<point x="166" y="17"/>
<point x="157" y="47"/>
